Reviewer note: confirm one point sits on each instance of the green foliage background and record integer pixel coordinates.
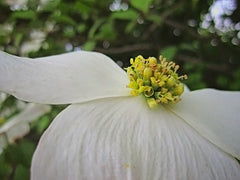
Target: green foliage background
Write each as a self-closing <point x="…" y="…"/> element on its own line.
<point x="121" y="30"/>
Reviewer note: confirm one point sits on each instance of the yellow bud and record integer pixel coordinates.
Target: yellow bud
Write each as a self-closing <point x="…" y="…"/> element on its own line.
<point x="178" y="90"/>
<point x="161" y="83"/>
<point x="157" y="74"/>
<point x="154" y="83"/>
<point x="133" y="85"/>
<point x="146" y="82"/>
<point x="148" y="92"/>
<point x="134" y="92"/>
<point x="152" y="103"/>
<point x="131" y="74"/>
<point x="169" y="96"/>
<point x="147" y="73"/>
<point x="139" y="82"/>
<point x="164" y="77"/>
<point x="131" y="61"/>
<point x="164" y="90"/>
<point x="141" y="89"/>
<point x="139" y="67"/>
<point x="152" y="61"/>
<point x="140" y="57"/>
<point x="176" y="99"/>
<point x="163" y="100"/>
<point x="171" y="81"/>
<point x="153" y="80"/>
<point x="157" y="95"/>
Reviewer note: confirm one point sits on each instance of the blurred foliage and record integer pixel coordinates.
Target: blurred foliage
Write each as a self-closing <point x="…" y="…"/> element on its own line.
<point x="206" y="47"/>
<point x="15" y="160"/>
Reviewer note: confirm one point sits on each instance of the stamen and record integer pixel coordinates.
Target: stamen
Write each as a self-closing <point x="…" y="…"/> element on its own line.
<point x="157" y="81"/>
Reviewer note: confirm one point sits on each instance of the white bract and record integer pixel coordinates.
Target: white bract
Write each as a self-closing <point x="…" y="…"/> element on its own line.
<point x="108" y="134"/>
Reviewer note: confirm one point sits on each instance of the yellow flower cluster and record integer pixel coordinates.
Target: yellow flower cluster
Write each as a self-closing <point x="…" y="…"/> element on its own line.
<point x="157" y="81"/>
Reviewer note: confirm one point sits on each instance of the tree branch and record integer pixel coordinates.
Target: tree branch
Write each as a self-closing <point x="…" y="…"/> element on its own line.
<point x="198" y="61"/>
<point x="183" y="28"/>
<point x="124" y="49"/>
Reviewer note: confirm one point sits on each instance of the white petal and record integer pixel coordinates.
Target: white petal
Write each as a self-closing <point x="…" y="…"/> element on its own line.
<point x="215" y="115"/>
<point x="186" y="88"/>
<point x="62" y="79"/>
<point x="121" y="138"/>
<point x="18" y="126"/>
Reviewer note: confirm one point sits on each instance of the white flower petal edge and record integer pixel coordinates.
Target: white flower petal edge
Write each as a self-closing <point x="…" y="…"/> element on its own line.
<point x="215" y="115"/>
<point x="120" y="138"/>
<point x="3" y="97"/>
<point x="61" y="79"/>
<point x="186" y="89"/>
<point x="18" y="125"/>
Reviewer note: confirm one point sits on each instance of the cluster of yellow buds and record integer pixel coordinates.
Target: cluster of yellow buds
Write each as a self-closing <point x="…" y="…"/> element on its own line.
<point x="157" y="81"/>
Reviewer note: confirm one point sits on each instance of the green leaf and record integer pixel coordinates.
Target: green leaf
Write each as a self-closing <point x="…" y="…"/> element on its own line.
<point x="155" y="18"/>
<point x="130" y="26"/>
<point x="186" y="46"/>
<point x="169" y="52"/>
<point x="41" y="124"/>
<point x="5" y="168"/>
<point x="18" y="38"/>
<point x="50" y="5"/>
<point x="89" y="46"/>
<point x="21" y="173"/>
<point x="142" y="5"/>
<point x="107" y="32"/>
<point x="81" y="28"/>
<point x="69" y="31"/>
<point x="82" y="7"/>
<point x="188" y="66"/>
<point x="21" y="153"/>
<point x="125" y="15"/>
<point x="94" y="28"/>
<point x="195" y="81"/>
<point x="236" y="74"/>
<point x="222" y="81"/>
<point x="193" y="46"/>
<point x="27" y="15"/>
<point x="64" y="19"/>
<point x="32" y="4"/>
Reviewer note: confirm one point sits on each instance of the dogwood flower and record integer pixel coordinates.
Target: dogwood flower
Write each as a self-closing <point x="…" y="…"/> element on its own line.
<point x="106" y="133"/>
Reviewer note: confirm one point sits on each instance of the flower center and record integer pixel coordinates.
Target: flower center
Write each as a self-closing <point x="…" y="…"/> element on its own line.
<point x="157" y="80"/>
